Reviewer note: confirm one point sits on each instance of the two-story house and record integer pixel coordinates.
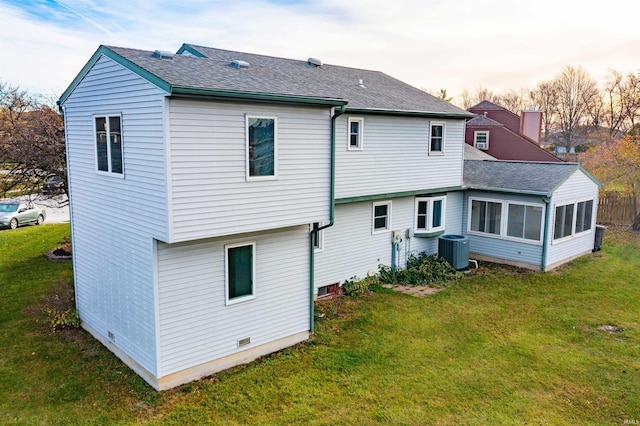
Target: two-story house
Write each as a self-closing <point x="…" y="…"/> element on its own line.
<point x="214" y="194"/>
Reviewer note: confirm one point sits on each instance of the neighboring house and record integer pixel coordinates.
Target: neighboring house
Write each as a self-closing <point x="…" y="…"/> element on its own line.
<point x="505" y="135"/>
<point x="532" y="215"/>
<point x="214" y="194"/>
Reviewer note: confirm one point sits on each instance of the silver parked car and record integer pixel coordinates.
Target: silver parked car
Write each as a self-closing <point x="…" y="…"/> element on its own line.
<point x="13" y="215"/>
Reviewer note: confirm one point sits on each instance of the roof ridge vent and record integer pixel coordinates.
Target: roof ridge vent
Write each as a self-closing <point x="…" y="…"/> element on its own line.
<point x="237" y="63"/>
<point x="315" y="62"/>
<point x="163" y="54"/>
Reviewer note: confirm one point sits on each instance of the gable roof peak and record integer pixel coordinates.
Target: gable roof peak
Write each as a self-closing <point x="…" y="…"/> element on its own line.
<point x="486" y="105"/>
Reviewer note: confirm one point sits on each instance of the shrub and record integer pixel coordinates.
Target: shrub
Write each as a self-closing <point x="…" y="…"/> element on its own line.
<point x="355" y="287"/>
<point x="421" y="269"/>
<point x="59" y="319"/>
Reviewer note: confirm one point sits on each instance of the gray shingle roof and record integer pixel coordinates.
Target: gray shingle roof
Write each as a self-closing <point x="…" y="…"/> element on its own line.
<point x="481" y="120"/>
<point x="517" y="176"/>
<point x="488" y="106"/>
<point x="472" y="153"/>
<point x="288" y="77"/>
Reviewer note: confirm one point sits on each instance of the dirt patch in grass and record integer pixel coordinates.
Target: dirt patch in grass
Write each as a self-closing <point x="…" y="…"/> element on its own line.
<point x="58" y="301"/>
<point x="610" y="328"/>
<point x="414" y="290"/>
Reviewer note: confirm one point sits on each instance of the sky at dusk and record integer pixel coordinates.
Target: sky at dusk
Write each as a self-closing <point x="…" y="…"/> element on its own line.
<point x="430" y="44"/>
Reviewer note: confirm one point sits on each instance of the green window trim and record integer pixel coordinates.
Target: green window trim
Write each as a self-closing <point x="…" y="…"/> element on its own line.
<point x="428" y="234"/>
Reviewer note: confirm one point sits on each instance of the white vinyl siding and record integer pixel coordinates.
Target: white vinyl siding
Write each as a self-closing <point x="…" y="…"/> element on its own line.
<point x="115" y="217"/>
<point x="196" y="324"/>
<point x="396" y="157"/>
<point x="209" y="192"/>
<point x="350" y="249"/>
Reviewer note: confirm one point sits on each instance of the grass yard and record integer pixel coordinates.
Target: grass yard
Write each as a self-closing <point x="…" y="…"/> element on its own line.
<point x="501" y="347"/>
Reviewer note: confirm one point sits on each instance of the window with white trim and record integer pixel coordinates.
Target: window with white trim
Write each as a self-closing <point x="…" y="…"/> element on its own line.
<point x="108" y="132"/>
<point x="436" y="138"/>
<point x="381" y="216"/>
<point x="318" y="242"/>
<point x="355" y="128"/>
<point x="485" y="216"/>
<point x="584" y="216"/>
<point x="524" y="221"/>
<point x="430" y="213"/>
<point x="240" y="267"/>
<point x="572" y="218"/>
<point x="505" y="219"/>
<point x="262" y="147"/>
<point x="481" y="139"/>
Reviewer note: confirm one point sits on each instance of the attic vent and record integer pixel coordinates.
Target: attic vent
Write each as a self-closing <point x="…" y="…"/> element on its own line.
<point x="162" y="54"/>
<point x="361" y="84"/>
<point x="314" y="61"/>
<point x="236" y="63"/>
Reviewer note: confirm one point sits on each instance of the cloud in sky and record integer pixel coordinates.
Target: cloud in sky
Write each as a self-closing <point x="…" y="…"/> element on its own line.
<point x="497" y="44"/>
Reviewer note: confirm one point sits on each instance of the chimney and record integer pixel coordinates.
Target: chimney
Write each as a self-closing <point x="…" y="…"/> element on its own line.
<point x="531" y="124"/>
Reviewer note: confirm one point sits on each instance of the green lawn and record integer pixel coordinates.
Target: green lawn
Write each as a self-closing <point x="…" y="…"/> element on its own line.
<point x="501" y="347"/>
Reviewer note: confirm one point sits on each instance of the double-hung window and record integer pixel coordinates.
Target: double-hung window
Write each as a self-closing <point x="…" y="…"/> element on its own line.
<point x="572" y="218"/>
<point x="436" y="138"/>
<point x="355" y="128"/>
<point x="262" y="148"/>
<point x="481" y="139"/>
<point x="108" y="132"/>
<point x="381" y="216"/>
<point x="240" y="272"/>
<point x="429" y="214"/>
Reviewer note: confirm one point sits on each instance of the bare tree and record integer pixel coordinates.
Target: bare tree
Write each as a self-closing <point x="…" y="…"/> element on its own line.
<point x="442" y="94"/>
<point x="32" y="144"/>
<point x="545" y="98"/>
<point x="467" y="99"/>
<point x="577" y="92"/>
<point x="515" y="100"/>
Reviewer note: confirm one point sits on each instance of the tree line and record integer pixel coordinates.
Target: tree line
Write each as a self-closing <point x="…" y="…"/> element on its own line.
<point x="576" y="109"/>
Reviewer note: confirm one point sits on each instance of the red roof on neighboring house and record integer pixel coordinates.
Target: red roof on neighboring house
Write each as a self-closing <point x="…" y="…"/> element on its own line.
<point x="504" y="138"/>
